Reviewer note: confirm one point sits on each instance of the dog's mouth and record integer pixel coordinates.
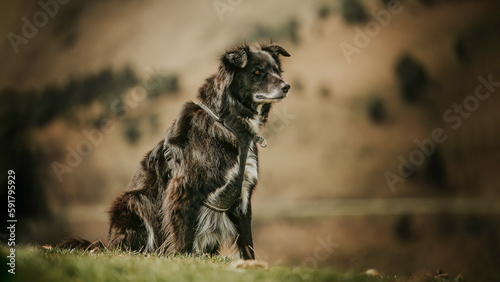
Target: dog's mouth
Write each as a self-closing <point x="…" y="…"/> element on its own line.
<point x="262" y="98"/>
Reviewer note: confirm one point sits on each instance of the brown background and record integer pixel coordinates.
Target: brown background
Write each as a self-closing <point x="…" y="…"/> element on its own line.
<point x="343" y="126"/>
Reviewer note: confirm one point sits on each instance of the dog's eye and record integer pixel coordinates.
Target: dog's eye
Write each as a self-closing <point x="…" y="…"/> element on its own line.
<point x="257" y="72"/>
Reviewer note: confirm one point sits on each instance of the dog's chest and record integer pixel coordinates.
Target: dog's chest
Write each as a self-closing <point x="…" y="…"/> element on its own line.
<point x="215" y="228"/>
<point x="250" y="178"/>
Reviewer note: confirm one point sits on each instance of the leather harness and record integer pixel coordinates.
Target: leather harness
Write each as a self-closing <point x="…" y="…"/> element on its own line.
<point x="227" y="196"/>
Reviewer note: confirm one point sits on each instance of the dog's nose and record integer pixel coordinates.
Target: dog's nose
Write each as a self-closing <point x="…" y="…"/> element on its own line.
<point x="285" y="88"/>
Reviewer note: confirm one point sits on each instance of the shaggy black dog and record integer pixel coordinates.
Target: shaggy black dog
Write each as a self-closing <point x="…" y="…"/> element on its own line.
<point x="191" y="194"/>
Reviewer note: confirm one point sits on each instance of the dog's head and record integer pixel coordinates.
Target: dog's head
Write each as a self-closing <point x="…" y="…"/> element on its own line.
<point x="257" y="74"/>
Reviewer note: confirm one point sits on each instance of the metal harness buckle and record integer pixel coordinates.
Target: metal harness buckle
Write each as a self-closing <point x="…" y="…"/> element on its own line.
<point x="261" y="141"/>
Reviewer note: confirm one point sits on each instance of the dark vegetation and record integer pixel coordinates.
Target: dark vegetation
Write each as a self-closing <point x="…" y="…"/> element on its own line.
<point x="324" y="91"/>
<point x="132" y="132"/>
<point x="324" y="12"/>
<point x="33" y="109"/>
<point x="353" y="11"/>
<point x="65" y="28"/>
<point x="376" y="110"/>
<point x="436" y="169"/>
<point x="478" y="42"/>
<point x="403" y="227"/>
<point x="287" y="31"/>
<point x="163" y="84"/>
<point x="411" y="77"/>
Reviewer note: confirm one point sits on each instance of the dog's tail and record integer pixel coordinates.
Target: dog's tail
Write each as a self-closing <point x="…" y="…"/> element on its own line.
<point x="82" y="244"/>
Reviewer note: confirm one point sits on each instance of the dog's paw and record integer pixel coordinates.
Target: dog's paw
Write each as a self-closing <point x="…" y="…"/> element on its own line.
<point x="250" y="264"/>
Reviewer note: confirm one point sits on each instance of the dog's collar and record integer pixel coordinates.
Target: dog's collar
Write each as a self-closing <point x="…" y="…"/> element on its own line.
<point x="209" y="112"/>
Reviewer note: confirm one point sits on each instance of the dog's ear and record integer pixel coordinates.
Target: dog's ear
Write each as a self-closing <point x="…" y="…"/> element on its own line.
<point x="237" y="58"/>
<point x="275" y="50"/>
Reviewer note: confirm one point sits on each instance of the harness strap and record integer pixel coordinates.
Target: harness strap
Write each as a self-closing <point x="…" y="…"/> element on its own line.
<point x="231" y="193"/>
<point x="214" y="208"/>
<point x="212" y="115"/>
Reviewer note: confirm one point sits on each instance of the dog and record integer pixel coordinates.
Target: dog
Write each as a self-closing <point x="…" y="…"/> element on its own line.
<point x="192" y="191"/>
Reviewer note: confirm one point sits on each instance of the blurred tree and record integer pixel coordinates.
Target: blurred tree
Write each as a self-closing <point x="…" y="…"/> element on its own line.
<point x="411" y="77"/>
<point x="353" y="11"/>
<point x="376" y="109"/>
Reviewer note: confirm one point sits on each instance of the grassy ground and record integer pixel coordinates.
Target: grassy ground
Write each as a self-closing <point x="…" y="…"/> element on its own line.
<point x="35" y="264"/>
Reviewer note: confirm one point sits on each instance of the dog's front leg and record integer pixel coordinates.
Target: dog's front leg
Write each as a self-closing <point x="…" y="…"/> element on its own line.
<point x="245" y="242"/>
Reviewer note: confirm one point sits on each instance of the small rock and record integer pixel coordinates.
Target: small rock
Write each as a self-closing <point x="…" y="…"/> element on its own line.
<point x="372" y="271"/>
<point x="46" y="247"/>
<point x="250" y="264"/>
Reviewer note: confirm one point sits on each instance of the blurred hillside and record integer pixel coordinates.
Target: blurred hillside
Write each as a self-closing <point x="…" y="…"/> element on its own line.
<point x="384" y="148"/>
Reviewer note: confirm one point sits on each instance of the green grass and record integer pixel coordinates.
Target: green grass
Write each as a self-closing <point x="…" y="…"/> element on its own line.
<point x="35" y="264"/>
